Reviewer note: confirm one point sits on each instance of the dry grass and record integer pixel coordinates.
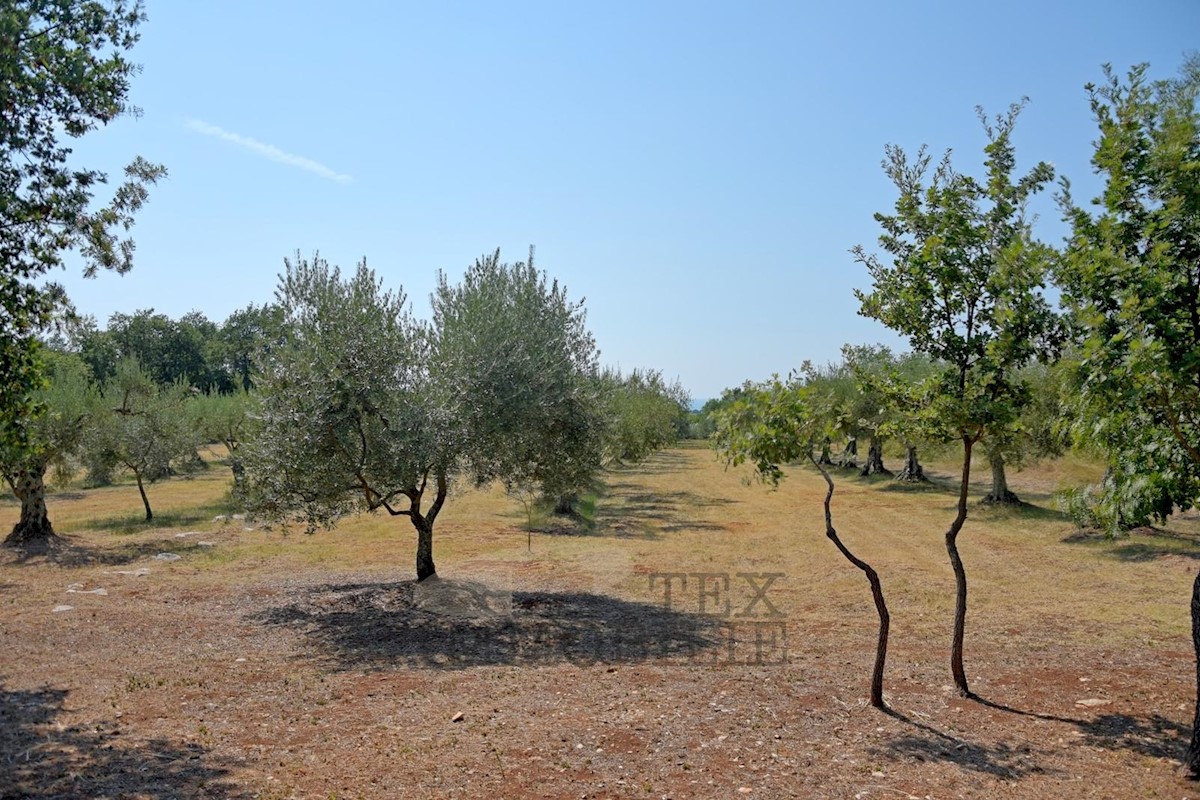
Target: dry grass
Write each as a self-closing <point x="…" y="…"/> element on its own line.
<point x="276" y="664"/>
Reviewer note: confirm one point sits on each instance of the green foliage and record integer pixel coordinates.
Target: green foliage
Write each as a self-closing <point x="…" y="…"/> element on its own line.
<point x="349" y="419"/>
<point x="515" y="365"/>
<point x="965" y="278"/>
<point x="244" y="334"/>
<point x="63" y="73"/>
<point x="145" y="427"/>
<point x="56" y="433"/>
<point x="1131" y="278"/>
<point x="644" y="413"/>
<point x="362" y="407"/>
<point x="769" y="424"/>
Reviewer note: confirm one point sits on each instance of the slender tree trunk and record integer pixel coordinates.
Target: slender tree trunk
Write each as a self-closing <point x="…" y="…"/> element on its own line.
<point x="34" y="525"/>
<point x="960" y="575"/>
<point x="145" y="500"/>
<point x="876" y="592"/>
<point x="912" y="472"/>
<point x="999" y="495"/>
<point x="1191" y="764"/>
<point x="874" y="464"/>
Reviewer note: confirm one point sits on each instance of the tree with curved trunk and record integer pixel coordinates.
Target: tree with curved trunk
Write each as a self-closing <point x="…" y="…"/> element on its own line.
<point x="53" y="436"/>
<point x="775" y="423"/>
<point x="962" y="281"/>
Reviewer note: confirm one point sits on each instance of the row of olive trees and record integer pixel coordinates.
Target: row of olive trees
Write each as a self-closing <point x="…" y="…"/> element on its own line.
<point x="962" y="277"/>
<point x="129" y="422"/>
<point x="875" y="395"/>
<point x="361" y="406"/>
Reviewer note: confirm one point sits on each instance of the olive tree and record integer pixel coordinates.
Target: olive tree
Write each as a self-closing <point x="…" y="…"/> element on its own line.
<point x="516" y="365"/>
<point x="144" y="427"/>
<point x="53" y="438"/>
<point x="962" y="279"/>
<point x="365" y="408"/>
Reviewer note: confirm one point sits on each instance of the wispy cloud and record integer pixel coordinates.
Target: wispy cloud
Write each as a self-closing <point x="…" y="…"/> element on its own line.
<point x="268" y="151"/>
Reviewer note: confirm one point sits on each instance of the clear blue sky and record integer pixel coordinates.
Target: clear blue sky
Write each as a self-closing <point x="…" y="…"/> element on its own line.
<point x="696" y="170"/>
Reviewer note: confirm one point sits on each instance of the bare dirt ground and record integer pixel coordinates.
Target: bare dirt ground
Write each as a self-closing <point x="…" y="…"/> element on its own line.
<point x="271" y="664"/>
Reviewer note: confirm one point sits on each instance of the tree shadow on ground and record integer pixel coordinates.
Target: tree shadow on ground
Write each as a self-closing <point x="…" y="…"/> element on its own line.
<point x="927" y="743"/>
<point x="44" y="759"/>
<point x="627" y="511"/>
<point x="662" y="462"/>
<point x="64" y="552"/>
<point x="632" y="510"/>
<point x="136" y="522"/>
<point x="1141" y="544"/>
<point x="1154" y="736"/>
<point x="444" y="624"/>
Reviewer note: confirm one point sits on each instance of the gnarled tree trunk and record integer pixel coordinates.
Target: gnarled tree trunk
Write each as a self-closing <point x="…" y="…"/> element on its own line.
<point x="1000" y="494"/>
<point x="29" y="486"/>
<point x="849" y="457"/>
<point x="424" y="526"/>
<point x="565" y="504"/>
<point x="912" y="472"/>
<point x="826" y="458"/>
<point x="874" y="463"/>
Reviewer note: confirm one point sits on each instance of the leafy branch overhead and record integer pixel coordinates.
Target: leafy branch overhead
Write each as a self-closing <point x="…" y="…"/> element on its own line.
<point x="63" y="73"/>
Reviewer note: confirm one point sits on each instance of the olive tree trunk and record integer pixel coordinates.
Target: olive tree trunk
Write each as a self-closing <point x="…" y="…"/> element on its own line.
<point x="849" y="456"/>
<point x="913" y="472"/>
<point x="424" y="525"/>
<point x="142" y="490"/>
<point x="30" y="488"/>
<point x="874" y="463"/>
<point x="1000" y="494"/>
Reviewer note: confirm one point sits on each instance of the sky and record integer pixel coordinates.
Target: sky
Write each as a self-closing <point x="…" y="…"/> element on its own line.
<point x="697" y="172"/>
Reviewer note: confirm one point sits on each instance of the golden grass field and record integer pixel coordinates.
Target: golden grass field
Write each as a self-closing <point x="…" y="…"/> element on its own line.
<point x="276" y="664"/>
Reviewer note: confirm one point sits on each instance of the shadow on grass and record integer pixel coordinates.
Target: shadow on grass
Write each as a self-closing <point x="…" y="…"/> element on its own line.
<point x="1140" y="545"/>
<point x="663" y="462"/>
<point x="137" y="523"/>
<point x="625" y="510"/>
<point x="1023" y="510"/>
<point x="64" y="552"/>
<point x="630" y="511"/>
<point x="44" y="759"/>
<point x="444" y="624"/>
